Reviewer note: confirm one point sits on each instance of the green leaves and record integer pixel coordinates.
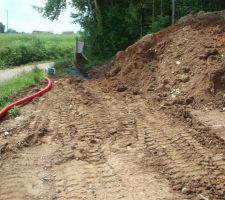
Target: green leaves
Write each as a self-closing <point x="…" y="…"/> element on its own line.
<point x="52" y="9"/>
<point x="30" y="48"/>
<point x="112" y="25"/>
<point x="2" y="27"/>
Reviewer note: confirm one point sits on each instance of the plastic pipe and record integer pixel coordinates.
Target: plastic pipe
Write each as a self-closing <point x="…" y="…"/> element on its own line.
<point x="4" y="111"/>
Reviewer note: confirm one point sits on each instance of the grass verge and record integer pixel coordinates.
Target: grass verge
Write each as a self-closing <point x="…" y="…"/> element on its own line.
<point x="14" y="86"/>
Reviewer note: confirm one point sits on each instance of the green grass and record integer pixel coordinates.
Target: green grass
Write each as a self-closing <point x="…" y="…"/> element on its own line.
<point x="18" y="49"/>
<point x="14" y="86"/>
<point x="7" y="40"/>
<point x="14" y="112"/>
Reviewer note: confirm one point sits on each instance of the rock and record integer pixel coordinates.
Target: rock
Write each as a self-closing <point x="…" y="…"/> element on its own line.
<point x="160" y="87"/>
<point x="185" y="78"/>
<point x="115" y="71"/>
<point x="178" y="101"/>
<point x="173" y="96"/>
<point x="203" y="197"/>
<point x="206" y="55"/>
<point x="121" y="88"/>
<point x="45" y="178"/>
<point x="151" y="89"/>
<point x="189" y="100"/>
<point x="135" y="92"/>
<point x="178" y="62"/>
<point x="127" y="70"/>
<point x="186" y="190"/>
<point x="6" y="133"/>
<point x="185" y="69"/>
<point x="18" y="118"/>
<point x="165" y="81"/>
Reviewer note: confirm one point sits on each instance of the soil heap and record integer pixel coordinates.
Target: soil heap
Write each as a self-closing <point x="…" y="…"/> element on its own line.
<point x="182" y="64"/>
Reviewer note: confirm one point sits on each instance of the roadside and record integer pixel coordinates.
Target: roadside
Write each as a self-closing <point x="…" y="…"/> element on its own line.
<point x="12" y="87"/>
<point x="13" y="72"/>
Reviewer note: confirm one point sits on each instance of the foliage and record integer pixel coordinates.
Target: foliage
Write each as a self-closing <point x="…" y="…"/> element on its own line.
<point x="14" y="112"/>
<point x="112" y="25"/>
<point x="14" y="86"/>
<point x="18" y="49"/>
<point x="10" y="30"/>
<point x="95" y="62"/>
<point x="2" y="27"/>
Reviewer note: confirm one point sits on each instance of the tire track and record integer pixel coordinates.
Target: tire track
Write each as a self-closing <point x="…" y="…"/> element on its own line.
<point x="26" y="175"/>
<point x="180" y="158"/>
<point x="116" y="119"/>
<point x="86" y="144"/>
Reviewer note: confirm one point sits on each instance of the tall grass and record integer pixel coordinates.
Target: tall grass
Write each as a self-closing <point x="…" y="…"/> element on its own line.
<point x="18" y="49"/>
<point x="21" y="82"/>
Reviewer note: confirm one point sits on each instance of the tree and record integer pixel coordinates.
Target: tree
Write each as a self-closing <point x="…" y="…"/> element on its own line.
<point x="112" y="25"/>
<point x="2" y="27"/>
<point x="10" y="30"/>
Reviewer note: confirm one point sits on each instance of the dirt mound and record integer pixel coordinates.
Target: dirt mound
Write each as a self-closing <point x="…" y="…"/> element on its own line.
<point x="182" y="64"/>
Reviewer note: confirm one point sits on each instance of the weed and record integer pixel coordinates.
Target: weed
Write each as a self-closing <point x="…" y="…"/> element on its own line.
<point x="14" y="112"/>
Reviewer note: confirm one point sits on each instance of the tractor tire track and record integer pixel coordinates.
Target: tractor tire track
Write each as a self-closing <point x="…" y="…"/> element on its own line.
<point x="87" y="144"/>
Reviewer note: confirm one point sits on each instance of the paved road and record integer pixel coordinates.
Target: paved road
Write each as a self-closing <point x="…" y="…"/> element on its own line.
<point x="13" y="72"/>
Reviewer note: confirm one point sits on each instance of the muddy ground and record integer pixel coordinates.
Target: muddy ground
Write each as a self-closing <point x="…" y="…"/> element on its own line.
<point x="150" y="127"/>
<point x="81" y="142"/>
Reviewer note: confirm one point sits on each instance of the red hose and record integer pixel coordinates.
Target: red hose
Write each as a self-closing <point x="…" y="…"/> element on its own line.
<point x="4" y="111"/>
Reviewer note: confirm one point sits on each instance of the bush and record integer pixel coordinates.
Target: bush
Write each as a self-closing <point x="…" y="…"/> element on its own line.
<point x="21" y="49"/>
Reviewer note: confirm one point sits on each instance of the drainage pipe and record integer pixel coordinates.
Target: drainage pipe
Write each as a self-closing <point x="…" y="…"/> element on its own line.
<point x="4" y="111"/>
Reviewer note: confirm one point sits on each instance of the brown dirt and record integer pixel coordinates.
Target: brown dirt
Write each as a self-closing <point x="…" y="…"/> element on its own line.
<point x="148" y="131"/>
<point x="183" y="64"/>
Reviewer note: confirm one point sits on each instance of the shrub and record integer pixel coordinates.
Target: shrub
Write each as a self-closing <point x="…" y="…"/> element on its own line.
<point x="21" y="49"/>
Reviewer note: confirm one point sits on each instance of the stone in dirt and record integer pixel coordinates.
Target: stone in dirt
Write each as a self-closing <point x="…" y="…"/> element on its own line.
<point x="121" y="88"/>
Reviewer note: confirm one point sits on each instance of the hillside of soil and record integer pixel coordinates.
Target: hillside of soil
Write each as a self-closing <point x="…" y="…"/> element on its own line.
<point x="183" y="64"/>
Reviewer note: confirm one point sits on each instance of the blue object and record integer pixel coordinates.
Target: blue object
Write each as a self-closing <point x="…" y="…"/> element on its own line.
<point x="51" y="71"/>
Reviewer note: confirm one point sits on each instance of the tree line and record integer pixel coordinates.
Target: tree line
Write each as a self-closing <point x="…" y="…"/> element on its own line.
<point x="112" y="25"/>
<point x="3" y="29"/>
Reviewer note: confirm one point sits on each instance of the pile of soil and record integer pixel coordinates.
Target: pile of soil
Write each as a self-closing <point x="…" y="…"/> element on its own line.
<point x="183" y="64"/>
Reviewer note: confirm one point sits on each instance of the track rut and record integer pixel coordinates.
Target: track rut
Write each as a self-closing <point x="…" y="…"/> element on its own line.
<point x="79" y="142"/>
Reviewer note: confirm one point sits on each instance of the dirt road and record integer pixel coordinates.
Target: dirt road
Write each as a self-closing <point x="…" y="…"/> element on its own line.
<point x="10" y="73"/>
<point x="80" y="141"/>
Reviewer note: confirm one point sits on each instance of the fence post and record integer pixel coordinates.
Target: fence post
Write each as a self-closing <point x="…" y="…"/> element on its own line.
<point x="75" y="51"/>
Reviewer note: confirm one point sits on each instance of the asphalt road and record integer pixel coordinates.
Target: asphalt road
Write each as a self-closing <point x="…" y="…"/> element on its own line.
<point x="7" y="74"/>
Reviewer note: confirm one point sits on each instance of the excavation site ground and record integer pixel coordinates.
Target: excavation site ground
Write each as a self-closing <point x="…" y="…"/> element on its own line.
<point x="150" y="125"/>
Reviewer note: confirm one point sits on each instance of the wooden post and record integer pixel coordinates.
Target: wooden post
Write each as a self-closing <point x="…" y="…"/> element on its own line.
<point x="173" y="11"/>
<point x="161" y="7"/>
<point x="75" y="51"/>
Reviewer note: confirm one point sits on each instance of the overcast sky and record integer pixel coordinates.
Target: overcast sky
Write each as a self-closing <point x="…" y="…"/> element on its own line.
<point x="23" y="18"/>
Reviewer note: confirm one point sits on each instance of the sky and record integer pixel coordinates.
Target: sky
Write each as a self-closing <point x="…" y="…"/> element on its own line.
<point x="23" y="18"/>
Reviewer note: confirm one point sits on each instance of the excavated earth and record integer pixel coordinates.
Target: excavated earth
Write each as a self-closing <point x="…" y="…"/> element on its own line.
<point x="150" y="127"/>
